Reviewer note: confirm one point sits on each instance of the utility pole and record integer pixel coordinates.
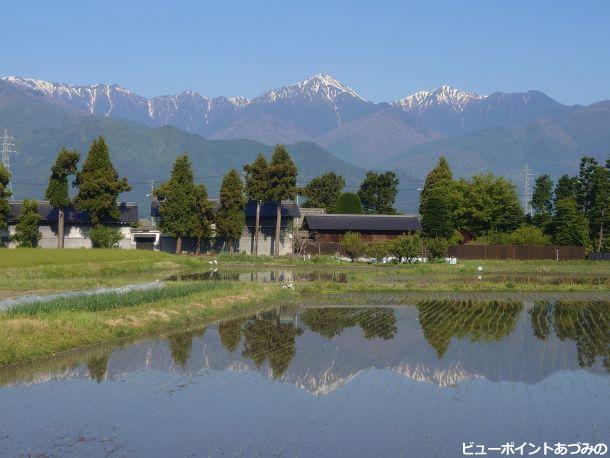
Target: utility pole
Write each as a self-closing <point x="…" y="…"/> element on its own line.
<point x="151" y="195"/>
<point x="8" y="147"/>
<point x="526" y="177"/>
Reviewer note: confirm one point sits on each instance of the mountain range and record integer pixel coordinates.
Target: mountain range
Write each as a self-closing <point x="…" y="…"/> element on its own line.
<point x="334" y="126"/>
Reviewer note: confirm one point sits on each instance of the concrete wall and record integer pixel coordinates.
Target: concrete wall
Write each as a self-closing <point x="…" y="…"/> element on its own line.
<point x="74" y="237"/>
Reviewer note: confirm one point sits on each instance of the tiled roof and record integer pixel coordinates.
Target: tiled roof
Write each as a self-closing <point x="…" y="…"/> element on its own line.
<point x="268" y="209"/>
<point x="128" y="215"/>
<point x="360" y="223"/>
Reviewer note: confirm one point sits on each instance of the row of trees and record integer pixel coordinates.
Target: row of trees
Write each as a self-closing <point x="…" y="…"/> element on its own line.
<point x="377" y="194"/>
<point x="487" y="208"/>
<point x="186" y="212"/>
<point x="576" y="211"/>
<point x="98" y="187"/>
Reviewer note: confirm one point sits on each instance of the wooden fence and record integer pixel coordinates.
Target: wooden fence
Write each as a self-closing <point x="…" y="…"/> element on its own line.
<point x="599" y="256"/>
<point x="523" y="252"/>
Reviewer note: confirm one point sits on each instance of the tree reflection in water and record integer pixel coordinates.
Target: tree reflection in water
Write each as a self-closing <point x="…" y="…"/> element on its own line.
<point x="97" y="365"/>
<point x="331" y="321"/>
<point x="478" y="321"/>
<point x="230" y="333"/>
<point x="180" y="344"/>
<point x="266" y="337"/>
<point x="586" y="323"/>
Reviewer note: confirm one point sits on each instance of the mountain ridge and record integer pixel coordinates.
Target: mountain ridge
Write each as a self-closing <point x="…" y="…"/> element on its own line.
<point x="318" y="109"/>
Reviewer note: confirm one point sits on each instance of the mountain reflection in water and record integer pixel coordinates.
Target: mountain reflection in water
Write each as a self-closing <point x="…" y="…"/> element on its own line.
<point x="496" y="340"/>
<point x="442" y="368"/>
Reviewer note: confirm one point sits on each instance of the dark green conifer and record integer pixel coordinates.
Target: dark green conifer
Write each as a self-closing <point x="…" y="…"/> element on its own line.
<point x="26" y="231"/>
<point x="99" y="185"/>
<point x="348" y="203"/>
<point x="230" y="218"/>
<point x="178" y="202"/>
<point x="282" y="186"/>
<point x="58" y="190"/>
<point x="257" y="189"/>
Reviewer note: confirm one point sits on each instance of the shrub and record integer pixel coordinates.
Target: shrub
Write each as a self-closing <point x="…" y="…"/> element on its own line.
<point x="407" y="247"/>
<point x="105" y="237"/>
<point x="525" y="235"/>
<point x="26" y="230"/>
<point x="352" y="244"/>
<point x="377" y="250"/>
<point x="436" y="248"/>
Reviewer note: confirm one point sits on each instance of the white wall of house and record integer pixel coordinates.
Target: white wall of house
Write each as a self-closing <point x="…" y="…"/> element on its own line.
<point x="76" y="236"/>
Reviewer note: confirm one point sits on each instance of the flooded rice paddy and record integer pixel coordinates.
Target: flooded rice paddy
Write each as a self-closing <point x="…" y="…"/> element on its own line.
<point x="350" y="375"/>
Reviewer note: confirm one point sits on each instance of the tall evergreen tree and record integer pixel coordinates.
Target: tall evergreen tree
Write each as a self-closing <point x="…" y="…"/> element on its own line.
<point x="99" y="185"/>
<point x="58" y="190"/>
<point x="203" y="216"/>
<point x="230" y="218"/>
<point x="570" y="226"/>
<point x="257" y="189"/>
<point x="439" y="176"/>
<point x="378" y="192"/>
<point x="584" y="185"/>
<point x="323" y="191"/>
<point x="600" y="206"/>
<point x="178" y="202"/>
<point x="436" y="214"/>
<point x="5" y="194"/>
<point x="26" y="230"/>
<point x="542" y="201"/>
<point x="282" y="185"/>
<point x="348" y="203"/>
<point x="565" y="187"/>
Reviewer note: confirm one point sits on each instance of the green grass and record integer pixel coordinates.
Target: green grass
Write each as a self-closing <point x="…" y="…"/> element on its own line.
<point x="51" y="328"/>
<point x="112" y="300"/>
<point x="36" y="270"/>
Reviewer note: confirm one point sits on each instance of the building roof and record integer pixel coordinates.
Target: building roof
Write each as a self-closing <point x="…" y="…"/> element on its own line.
<point x="268" y="209"/>
<point x="362" y="223"/>
<point x="128" y="213"/>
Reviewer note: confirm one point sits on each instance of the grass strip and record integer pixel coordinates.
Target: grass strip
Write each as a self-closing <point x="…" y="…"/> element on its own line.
<point x="113" y="300"/>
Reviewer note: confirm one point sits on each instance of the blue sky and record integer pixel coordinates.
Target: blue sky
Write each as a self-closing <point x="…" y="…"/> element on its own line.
<point x="383" y="50"/>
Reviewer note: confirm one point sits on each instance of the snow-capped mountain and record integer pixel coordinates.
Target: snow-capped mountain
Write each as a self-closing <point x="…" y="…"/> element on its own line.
<point x="319" y="109"/>
<point x="446" y="96"/>
<point x="318" y="86"/>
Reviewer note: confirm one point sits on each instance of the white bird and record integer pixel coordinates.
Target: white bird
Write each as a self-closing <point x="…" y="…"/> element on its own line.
<point x="479" y="277"/>
<point x="288" y="285"/>
<point x="480" y="268"/>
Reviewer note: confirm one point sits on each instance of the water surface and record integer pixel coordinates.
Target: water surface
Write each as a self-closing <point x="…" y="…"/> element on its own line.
<point x="417" y="380"/>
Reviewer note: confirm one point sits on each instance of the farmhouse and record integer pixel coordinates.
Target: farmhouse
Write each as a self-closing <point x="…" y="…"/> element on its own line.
<point x="77" y="225"/>
<point x="325" y="231"/>
<point x="372" y="228"/>
<point x="266" y="237"/>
